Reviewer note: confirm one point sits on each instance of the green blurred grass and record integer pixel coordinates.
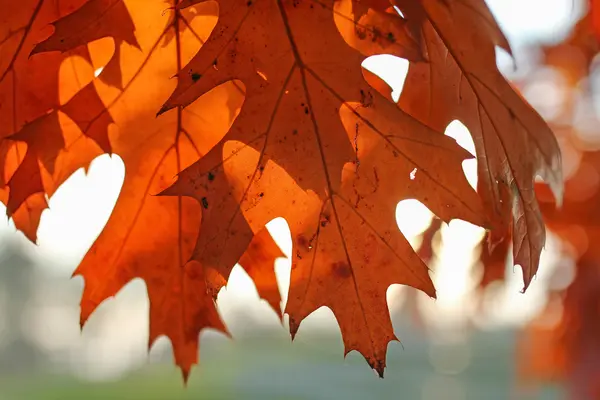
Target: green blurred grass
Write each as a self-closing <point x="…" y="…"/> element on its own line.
<point x="266" y="367"/>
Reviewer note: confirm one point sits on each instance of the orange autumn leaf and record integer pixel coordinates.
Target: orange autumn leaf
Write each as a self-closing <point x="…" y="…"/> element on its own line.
<point x="513" y="143"/>
<point x="264" y="111"/>
<point x="341" y="155"/>
<point x="29" y="89"/>
<point x="595" y="17"/>
<point x="148" y="236"/>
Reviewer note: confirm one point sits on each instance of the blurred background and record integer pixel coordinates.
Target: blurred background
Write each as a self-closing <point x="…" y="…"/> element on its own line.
<point x="481" y="339"/>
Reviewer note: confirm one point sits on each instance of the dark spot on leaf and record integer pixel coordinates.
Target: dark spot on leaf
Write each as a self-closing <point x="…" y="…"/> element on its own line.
<point x="341" y="269"/>
<point x="325" y="220"/>
<point x="302" y="242"/>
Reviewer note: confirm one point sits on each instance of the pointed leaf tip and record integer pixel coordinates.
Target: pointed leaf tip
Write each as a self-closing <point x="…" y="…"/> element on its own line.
<point x="163" y="110"/>
<point x="379" y="367"/>
<point x="293" y="328"/>
<point x="185" y="374"/>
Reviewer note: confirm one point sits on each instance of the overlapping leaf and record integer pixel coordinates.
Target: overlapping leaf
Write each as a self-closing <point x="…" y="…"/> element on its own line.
<point x="313" y="143"/>
<point x="147" y="236"/>
<point x="29" y="88"/>
<point x="513" y="143"/>
<point x="561" y="343"/>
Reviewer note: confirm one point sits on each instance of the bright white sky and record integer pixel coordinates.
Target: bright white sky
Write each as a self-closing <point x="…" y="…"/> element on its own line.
<point x="534" y="20"/>
<point x="81" y="206"/>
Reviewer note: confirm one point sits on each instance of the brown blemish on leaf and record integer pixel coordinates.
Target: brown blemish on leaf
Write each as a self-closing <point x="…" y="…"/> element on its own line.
<point x="341" y="269"/>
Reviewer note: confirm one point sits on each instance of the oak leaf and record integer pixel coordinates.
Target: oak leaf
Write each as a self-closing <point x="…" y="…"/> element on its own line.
<point x="29" y="88"/>
<point x="460" y="81"/>
<point x="146" y="236"/>
<point x="316" y="145"/>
